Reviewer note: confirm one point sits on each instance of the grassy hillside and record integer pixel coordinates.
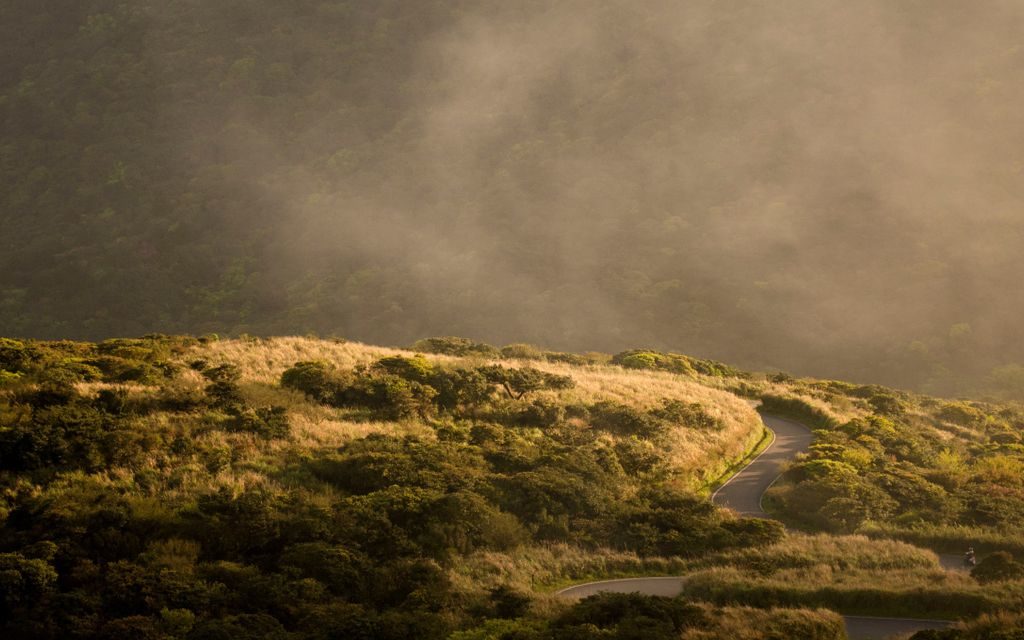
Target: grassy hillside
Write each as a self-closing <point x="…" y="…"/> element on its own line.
<point x="173" y="487"/>
<point x="709" y="177"/>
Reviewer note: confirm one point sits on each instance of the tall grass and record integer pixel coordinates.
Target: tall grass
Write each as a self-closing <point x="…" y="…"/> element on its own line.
<point x="952" y="538"/>
<point x="698" y="456"/>
<point x="747" y="623"/>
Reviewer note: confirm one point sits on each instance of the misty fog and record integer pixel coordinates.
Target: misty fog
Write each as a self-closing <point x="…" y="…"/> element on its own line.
<point x="825" y="187"/>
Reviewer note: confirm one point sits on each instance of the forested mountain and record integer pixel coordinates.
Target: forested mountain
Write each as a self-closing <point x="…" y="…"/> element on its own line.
<point x="826" y="187"/>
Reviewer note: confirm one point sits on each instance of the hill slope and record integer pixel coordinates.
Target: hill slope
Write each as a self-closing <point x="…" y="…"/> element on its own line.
<point x="169" y="487"/>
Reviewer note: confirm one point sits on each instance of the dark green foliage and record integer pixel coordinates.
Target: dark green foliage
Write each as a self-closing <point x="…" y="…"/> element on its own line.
<point x="15" y="356"/>
<point x="339" y="569"/>
<point x="675" y="363"/>
<point x="266" y="422"/>
<point x="628" y="615"/>
<point x="998" y="567"/>
<point x="624" y="420"/>
<point x="258" y="626"/>
<point x="661" y="521"/>
<point x="318" y="380"/>
<point x="509" y="603"/>
<point x="452" y="346"/>
<point x="573" y="358"/>
<point x="390" y="396"/>
<point x="889" y="469"/>
<point x="224" y="394"/>
<point x="886" y="404"/>
<point x="63" y="434"/>
<point x="690" y="414"/>
<point x="961" y="413"/>
<point x="24" y="581"/>
<point x="417" y="369"/>
<point x="460" y="389"/>
<point x="638" y="359"/>
<point x="542" y="413"/>
<point x="65" y="363"/>
<point x="518" y="382"/>
<point x="637" y="456"/>
<point x="397" y="387"/>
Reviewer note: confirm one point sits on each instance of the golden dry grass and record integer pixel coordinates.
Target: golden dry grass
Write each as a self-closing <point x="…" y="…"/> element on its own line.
<point x="702" y="454"/>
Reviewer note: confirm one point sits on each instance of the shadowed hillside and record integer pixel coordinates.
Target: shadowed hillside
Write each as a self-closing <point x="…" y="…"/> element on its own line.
<point x="832" y="190"/>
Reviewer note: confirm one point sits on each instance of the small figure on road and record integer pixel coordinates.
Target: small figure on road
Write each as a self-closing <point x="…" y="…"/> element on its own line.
<point x="969" y="559"/>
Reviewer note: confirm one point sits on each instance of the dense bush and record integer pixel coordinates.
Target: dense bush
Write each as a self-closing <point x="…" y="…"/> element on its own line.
<point x="675" y="363"/>
<point x="622" y="615"/>
<point x="625" y="420"/>
<point x="452" y="346"/>
<point x="997" y="567"/>
<point x="397" y="387"/>
<point x="318" y="380"/>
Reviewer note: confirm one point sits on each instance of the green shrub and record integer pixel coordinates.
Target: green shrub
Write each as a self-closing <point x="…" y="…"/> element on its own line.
<point x="542" y="413"/>
<point x="522" y="352"/>
<point x="569" y="358"/>
<point x="961" y="413"/>
<point x="998" y="567"/>
<point x="266" y="422"/>
<point x="224" y="394"/>
<point x="640" y="359"/>
<point x="318" y="380"/>
<point x="460" y="388"/>
<point x="391" y="397"/>
<point x="417" y="369"/>
<point x="140" y="372"/>
<point x="624" y="420"/>
<point x="628" y="615"/>
<point x="518" y="382"/>
<point x="15" y="356"/>
<point x="452" y="346"/>
<point x="674" y="363"/>
<point x="690" y="414"/>
<point x="887" y="404"/>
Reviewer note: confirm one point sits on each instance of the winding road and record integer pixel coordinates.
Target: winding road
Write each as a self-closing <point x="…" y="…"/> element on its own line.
<point x="743" y="494"/>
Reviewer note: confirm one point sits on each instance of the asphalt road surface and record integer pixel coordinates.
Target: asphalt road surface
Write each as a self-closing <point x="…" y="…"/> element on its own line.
<point x="742" y="493"/>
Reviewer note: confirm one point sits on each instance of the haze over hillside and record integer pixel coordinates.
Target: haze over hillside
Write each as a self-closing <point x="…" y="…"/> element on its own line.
<point x="826" y="187"/>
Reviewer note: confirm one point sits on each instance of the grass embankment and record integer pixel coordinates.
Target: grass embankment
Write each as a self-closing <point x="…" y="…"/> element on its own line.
<point x="765" y="440"/>
<point x="850" y="574"/>
<point x="950" y="538"/>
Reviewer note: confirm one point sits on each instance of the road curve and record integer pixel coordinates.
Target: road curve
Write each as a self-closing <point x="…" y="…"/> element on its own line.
<point x="742" y="493"/>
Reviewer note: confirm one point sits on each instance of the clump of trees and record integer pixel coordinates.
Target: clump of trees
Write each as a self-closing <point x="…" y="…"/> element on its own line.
<point x="674" y="363"/>
<point x="398" y="387"/>
<point x="888" y="463"/>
